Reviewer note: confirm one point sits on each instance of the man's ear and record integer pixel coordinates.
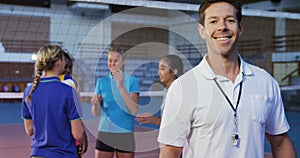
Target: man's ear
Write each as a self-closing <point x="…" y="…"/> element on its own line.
<point x="202" y="31"/>
<point x="241" y="27"/>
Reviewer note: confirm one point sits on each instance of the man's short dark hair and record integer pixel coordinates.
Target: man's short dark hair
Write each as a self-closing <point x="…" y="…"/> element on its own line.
<point x="237" y="5"/>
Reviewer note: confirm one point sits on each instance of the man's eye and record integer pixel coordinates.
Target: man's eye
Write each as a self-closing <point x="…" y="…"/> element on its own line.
<point x="213" y="22"/>
<point x="231" y="21"/>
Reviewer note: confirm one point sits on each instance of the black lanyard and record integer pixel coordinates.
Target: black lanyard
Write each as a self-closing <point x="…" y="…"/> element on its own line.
<point x="238" y="100"/>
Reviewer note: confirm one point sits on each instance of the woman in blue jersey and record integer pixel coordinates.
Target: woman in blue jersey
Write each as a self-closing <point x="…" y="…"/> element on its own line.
<point x="51" y="109"/>
<point x="116" y="102"/>
<point x="68" y="79"/>
<point x="169" y="69"/>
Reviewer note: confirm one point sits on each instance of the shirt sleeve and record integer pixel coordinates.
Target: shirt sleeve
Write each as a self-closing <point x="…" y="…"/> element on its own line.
<point x="134" y="87"/>
<point x="25" y="110"/>
<point x="277" y="122"/>
<point x="98" y="87"/>
<point x="175" y="123"/>
<point x="74" y="106"/>
<point x="69" y="80"/>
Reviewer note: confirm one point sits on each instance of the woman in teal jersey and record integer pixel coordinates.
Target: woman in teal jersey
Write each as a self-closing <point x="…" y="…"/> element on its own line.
<point x="116" y="102"/>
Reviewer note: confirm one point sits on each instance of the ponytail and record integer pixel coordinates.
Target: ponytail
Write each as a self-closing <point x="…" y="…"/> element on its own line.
<point x="35" y="83"/>
<point x="46" y="59"/>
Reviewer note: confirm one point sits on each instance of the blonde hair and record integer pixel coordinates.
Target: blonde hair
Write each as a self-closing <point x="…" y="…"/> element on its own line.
<point x="117" y="50"/>
<point x="46" y="59"/>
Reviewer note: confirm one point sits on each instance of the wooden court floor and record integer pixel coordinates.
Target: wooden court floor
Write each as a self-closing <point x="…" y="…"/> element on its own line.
<point x="14" y="143"/>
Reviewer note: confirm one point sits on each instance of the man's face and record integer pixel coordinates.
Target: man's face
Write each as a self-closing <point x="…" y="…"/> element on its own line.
<point x="221" y="28"/>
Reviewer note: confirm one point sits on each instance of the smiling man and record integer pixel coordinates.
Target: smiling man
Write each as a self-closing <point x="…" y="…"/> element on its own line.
<point x="224" y="107"/>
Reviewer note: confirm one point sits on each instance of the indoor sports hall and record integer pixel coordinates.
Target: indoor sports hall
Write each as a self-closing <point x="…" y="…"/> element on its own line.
<point x="146" y="30"/>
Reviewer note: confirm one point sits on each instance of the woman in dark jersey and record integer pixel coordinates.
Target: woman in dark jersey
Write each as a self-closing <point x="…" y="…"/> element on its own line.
<point x="51" y="109"/>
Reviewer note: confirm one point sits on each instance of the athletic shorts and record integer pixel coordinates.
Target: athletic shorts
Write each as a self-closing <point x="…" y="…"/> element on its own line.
<point x="110" y="142"/>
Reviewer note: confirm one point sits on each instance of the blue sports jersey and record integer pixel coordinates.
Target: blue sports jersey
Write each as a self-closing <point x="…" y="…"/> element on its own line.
<point x="53" y="105"/>
<point x="115" y="117"/>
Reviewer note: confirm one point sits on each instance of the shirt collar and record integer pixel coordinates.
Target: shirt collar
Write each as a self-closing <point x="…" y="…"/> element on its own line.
<point x="49" y="79"/>
<point x="111" y="77"/>
<point x="209" y="74"/>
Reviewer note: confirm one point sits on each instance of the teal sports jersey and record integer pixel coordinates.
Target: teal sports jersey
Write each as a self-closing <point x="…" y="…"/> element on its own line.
<point x="115" y="116"/>
<point x="52" y="107"/>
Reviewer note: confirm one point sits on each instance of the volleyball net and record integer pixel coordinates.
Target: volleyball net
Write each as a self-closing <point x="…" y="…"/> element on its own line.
<point x="87" y="31"/>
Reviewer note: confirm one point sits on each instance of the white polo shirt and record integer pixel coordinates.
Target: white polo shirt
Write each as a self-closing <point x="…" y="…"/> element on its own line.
<point x="198" y="117"/>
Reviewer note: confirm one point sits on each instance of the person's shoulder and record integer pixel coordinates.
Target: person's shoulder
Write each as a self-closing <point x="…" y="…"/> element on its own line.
<point x="58" y="86"/>
<point x="132" y="77"/>
<point x="70" y="82"/>
<point x="262" y="75"/>
<point x="189" y="80"/>
<point x="65" y="89"/>
<point x="258" y="71"/>
<point x="28" y="88"/>
<point x="61" y="84"/>
<point x="103" y="78"/>
<point x="190" y="74"/>
<point x="65" y="77"/>
<point x="69" y="77"/>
